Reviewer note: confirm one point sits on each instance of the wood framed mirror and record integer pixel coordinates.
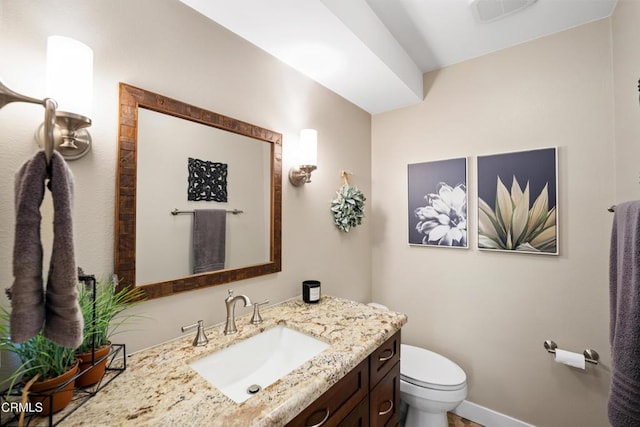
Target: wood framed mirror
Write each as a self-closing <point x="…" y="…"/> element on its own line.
<point x="160" y="112"/>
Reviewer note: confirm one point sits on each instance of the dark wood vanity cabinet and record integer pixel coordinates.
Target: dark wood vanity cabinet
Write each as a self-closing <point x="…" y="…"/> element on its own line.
<point x="384" y="383"/>
<point x="369" y="395"/>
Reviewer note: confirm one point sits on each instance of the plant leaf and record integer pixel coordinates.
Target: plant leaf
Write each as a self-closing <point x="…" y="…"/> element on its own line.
<point x="504" y="205"/>
<point x="520" y="215"/>
<point x="486" y="242"/>
<point x="539" y="210"/>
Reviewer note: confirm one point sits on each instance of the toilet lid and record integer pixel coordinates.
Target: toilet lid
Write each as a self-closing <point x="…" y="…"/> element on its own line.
<point x="427" y="369"/>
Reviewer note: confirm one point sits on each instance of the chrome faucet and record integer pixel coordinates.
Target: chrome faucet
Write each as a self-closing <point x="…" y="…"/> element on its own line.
<point x="200" y="339"/>
<point x="230" y="302"/>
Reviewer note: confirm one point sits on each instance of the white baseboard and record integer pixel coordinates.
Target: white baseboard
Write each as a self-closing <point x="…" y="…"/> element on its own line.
<point x="487" y="417"/>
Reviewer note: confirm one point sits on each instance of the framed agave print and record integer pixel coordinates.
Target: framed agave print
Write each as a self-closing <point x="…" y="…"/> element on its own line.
<point x="517" y="202"/>
<point x="438" y="203"/>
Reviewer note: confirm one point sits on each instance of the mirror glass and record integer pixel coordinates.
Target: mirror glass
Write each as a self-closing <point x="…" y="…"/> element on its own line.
<point x="174" y="159"/>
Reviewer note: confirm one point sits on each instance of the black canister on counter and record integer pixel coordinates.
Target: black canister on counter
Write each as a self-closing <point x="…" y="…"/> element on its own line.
<point x="311" y="291"/>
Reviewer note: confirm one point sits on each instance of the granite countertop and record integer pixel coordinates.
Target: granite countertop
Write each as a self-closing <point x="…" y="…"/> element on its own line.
<point x="159" y="388"/>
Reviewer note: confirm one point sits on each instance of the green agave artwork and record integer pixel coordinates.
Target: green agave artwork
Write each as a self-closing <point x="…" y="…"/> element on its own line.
<point x="514" y="224"/>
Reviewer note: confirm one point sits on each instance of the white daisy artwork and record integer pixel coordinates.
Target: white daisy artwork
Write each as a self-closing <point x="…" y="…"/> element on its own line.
<point x="438" y="203"/>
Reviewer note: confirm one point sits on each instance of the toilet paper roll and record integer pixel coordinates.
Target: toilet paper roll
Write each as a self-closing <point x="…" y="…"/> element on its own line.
<point x="570" y="358"/>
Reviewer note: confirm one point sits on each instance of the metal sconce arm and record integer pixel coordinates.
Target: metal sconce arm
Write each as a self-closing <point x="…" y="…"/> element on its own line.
<point x="60" y="129"/>
<point x="8" y="96"/>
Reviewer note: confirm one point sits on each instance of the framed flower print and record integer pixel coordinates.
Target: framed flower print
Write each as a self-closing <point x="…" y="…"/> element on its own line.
<point x="438" y="203"/>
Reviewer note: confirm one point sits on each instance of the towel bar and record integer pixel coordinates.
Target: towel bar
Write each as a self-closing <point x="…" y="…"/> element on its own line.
<point x="590" y="355"/>
<point x="178" y="212"/>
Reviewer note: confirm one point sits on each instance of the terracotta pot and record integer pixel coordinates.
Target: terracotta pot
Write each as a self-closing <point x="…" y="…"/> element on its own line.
<point x="92" y="374"/>
<point x="61" y="398"/>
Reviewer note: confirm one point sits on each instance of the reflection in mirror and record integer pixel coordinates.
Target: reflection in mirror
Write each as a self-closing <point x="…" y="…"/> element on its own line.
<point x="164" y="146"/>
<point x="164" y="242"/>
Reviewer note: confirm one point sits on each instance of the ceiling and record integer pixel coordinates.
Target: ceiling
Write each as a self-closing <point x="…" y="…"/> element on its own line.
<point x="374" y="52"/>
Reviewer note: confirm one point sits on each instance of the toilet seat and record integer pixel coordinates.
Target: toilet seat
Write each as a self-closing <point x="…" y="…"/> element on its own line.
<point x="424" y="368"/>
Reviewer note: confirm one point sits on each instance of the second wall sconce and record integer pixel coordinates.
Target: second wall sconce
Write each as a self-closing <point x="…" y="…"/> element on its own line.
<point x="70" y="83"/>
<point x="308" y="158"/>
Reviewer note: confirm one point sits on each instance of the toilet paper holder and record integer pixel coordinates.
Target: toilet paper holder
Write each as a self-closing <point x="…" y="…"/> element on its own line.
<point x="590" y="355"/>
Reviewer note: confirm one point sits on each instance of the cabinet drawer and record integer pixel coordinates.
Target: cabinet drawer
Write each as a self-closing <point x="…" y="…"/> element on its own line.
<point x="384" y="401"/>
<point x="338" y="401"/>
<point x="359" y="417"/>
<point x="384" y="358"/>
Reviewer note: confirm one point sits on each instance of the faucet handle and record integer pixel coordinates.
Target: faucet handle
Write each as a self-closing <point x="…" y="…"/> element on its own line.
<point x="200" y="339"/>
<point x="256" y="318"/>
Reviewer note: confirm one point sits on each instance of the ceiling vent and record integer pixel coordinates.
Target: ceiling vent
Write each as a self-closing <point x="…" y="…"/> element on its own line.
<point x="491" y="10"/>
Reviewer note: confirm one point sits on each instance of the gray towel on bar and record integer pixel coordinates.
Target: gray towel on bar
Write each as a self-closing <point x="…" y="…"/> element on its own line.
<point x="624" y="280"/>
<point x="209" y="234"/>
<point x="59" y="311"/>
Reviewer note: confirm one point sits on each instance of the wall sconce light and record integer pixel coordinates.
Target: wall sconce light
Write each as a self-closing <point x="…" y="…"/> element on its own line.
<point x="70" y="83"/>
<point x="308" y="158"/>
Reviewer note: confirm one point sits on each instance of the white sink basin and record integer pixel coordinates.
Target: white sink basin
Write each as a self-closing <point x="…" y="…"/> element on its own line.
<point x="260" y="360"/>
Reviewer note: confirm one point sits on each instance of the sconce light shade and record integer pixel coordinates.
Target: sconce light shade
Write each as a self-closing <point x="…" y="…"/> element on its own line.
<point x="70" y="75"/>
<point x="307" y="156"/>
<point x="70" y="84"/>
<point x="308" y="147"/>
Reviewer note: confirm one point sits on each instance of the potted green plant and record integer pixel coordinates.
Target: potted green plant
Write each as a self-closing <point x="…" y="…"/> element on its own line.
<point x="102" y="319"/>
<point x="45" y="366"/>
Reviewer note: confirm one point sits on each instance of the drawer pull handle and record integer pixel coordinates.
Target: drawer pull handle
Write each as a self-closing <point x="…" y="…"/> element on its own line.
<point x="385" y="358"/>
<point x="326" y="417"/>
<point x="381" y="413"/>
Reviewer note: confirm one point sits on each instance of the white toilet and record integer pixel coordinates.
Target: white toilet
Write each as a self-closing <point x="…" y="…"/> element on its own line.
<point x="430" y="385"/>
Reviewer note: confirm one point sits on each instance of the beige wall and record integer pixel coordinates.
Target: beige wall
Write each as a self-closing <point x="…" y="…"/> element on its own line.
<point x="491" y="312"/>
<point x="626" y="71"/>
<point x="164" y="46"/>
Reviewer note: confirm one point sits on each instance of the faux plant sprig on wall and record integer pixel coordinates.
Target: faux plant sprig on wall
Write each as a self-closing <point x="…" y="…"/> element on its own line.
<point x="348" y="207"/>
